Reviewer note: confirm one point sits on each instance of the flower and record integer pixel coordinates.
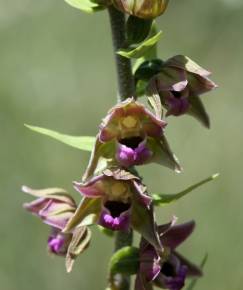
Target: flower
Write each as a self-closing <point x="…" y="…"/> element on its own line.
<point x="131" y="135"/>
<point x="55" y="207"/>
<point x="58" y="242"/>
<point x="146" y="9"/>
<point x="116" y="200"/>
<point x="179" y="81"/>
<point x="169" y="270"/>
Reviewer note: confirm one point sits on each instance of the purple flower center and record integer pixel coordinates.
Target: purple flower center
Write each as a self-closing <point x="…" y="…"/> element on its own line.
<point x="168" y="270"/>
<point x="174" y="279"/>
<point x="176" y="94"/>
<point x="132" y="142"/>
<point x="115" y="215"/>
<point x="116" y="208"/>
<point x="178" y="103"/>
<point x="132" y="151"/>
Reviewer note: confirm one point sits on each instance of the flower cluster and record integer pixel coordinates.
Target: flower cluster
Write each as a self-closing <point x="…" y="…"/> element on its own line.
<point x="113" y="195"/>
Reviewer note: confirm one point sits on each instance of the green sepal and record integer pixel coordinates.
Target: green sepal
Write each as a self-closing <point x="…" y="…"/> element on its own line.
<point x="193" y="283"/>
<point x="137" y="29"/>
<point x="198" y="111"/>
<point x="80" y="241"/>
<point x="87" y="6"/>
<point x="85" y="143"/>
<point x="148" y="68"/>
<point x="142" y="48"/>
<point x="125" y="261"/>
<point x="143" y="222"/>
<point x="102" y="155"/>
<point x="163" y="154"/>
<point x="86" y="214"/>
<point x="155" y="103"/>
<point x="106" y="231"/>
<point x="164" y="199"/>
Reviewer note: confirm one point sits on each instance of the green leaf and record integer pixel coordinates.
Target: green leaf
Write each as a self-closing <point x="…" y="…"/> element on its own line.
<point x="163" y="199"/>
<point x="85" y="143"/>
<point x="87" y="6"/>
<point x="125" y="261"/>
<point x="142" y="48"/>
<point x="194" y="281"/>
<point x="149" y="54"/>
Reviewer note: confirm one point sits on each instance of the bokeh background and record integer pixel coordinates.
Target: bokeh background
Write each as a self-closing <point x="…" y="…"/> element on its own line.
<point x="57" y="71"/>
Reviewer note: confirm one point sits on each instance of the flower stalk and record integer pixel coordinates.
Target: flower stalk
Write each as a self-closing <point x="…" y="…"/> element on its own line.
<point x="123" y="65"/>
<point x="126" y="89"/>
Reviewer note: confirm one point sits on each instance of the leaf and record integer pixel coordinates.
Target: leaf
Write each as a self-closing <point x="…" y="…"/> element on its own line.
<point x="149" y="54"/>
<point x="194" y="281"/>
<point x="163" y="199"/>
<point x="85" y="143"/>
<point x="142" y="48"/>
<point x="125" y="261"/>
<point x="87" y="6"/>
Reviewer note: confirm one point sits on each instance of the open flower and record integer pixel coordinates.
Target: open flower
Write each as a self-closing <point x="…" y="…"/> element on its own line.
<point x="55" y="207"/>
<point x="169" y="270"/>
<point x="132" y="135"/>
<point x="179" y="81"/>
<point x="117" y="200"/>
<point x="146" y="9"/>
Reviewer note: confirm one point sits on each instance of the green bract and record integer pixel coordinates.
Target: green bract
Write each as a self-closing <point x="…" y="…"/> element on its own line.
<point x="142" y="48"/>
<point x="87" y="6"/>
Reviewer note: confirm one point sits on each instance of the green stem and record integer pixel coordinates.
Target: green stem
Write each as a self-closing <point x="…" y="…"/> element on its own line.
<point x="123" y="65"/>
<point x="126" y="89"/>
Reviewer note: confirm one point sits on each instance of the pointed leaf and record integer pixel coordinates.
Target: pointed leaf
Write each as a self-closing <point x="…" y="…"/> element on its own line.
<point x="87" y="6"/>
<point x="125" y="261"/>
<point x="149" y="54"/>
<point x="142" y="48"/>
<point x="85" y="143"/>
<point x="163" y="199"/>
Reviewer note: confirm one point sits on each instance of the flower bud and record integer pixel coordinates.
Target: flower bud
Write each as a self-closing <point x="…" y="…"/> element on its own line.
<point x="58" y="242"/>
<point x="179" y="82"/>
<point x="146" y="9"/>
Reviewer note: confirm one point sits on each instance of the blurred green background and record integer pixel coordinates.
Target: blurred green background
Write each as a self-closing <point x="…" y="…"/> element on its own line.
<point x="57" y="71"/>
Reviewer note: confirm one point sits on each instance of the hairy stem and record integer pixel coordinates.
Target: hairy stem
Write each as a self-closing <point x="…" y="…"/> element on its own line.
<point x="125" y="90"/>
<point x="123" y="65"/>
